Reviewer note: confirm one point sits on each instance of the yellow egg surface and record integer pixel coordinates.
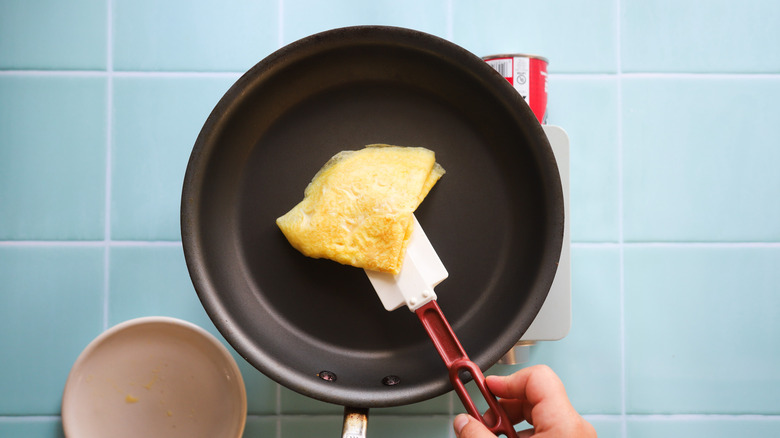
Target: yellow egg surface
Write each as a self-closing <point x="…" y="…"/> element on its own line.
<point x="358" y="208"/>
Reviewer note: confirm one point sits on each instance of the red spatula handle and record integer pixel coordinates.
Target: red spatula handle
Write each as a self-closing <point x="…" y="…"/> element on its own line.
<point x="457" y="361"/>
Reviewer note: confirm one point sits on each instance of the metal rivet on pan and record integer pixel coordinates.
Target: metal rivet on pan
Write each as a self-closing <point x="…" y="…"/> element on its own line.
<point x="327" y="376"/>
<point x="391" y="380"/>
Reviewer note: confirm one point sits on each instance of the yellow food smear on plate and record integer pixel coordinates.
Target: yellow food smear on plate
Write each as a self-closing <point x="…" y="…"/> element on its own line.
<point x="155" y="376"/>
<point x="358" y="208"/>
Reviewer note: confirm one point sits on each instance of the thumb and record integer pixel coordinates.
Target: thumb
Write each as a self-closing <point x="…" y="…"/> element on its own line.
<point x="467" y="426"/>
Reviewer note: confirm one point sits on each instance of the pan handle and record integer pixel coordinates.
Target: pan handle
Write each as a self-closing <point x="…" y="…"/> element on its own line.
<point x="454" y="356"/>
<point x="355" y="422"/>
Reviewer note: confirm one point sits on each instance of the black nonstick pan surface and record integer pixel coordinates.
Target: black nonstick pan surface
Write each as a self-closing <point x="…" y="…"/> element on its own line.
<point x="495" y="218"/>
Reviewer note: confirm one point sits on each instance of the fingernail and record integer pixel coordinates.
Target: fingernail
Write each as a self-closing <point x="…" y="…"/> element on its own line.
<point x="460" y="422"/>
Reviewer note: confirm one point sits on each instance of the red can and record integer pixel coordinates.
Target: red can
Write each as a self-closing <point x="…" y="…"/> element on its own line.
<point x="528" y="75"/>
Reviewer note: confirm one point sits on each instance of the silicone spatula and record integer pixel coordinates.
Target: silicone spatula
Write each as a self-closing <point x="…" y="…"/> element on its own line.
<point x="423" y="270"/>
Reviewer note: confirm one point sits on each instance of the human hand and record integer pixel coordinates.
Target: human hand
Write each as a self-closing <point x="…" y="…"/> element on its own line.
<point x="536" y="395"/>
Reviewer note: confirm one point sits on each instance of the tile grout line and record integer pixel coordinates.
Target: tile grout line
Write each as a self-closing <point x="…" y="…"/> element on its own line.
<point x="616" y="417"/>
<point x="691" y="75"/>
<point x="122" y="73"/>
<point x="621" y="237"/>
<point x="450" y="31"/>
<point x="6" y="418"/>
<point x="177" y="74"/>
<point x="677" y="244"/>
<point x="595" y="244"/>
<point x="278" y="410"/>
<point x="451" y="413"/>
<point x="280" y="40"/>
<point x="66" y="73"/>
<point x="662" y="75"/>
<point x="280" y="23"/>
<point x="109" y="148"/>
<point x="699" y="417"/>
<point x="91" y="243"/>
<point x="682" y="244"/>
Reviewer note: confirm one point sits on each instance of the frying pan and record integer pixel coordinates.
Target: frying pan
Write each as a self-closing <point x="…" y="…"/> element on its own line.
<point x="495" y="218"/>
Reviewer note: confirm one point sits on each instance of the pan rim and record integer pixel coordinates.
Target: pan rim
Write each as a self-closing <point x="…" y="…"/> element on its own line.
<point x="192" y="242"/>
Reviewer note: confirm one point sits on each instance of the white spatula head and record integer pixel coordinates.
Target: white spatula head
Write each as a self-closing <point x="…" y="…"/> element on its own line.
<point x="422" y="270"/>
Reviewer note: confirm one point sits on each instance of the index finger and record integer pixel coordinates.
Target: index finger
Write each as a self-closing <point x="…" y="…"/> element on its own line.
<point x="535" y="384"/>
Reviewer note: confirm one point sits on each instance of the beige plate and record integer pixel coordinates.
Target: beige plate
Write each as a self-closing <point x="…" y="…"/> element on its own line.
<point x="154" y="377"/>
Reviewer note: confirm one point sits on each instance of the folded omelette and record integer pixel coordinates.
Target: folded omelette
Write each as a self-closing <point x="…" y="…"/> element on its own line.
<point x="358" y="208"/>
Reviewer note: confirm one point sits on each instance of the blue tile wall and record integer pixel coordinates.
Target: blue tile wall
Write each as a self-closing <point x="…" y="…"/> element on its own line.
<point x="53" y="155"/>
<point x="606" y="426"/>
<point x="52" y="306"/>
<point x="715" y="138"/>
<point x="690" y="36"/>
<point x="595" y="169"/>
<point x="152" y="279"/>
<point x="53" y="34"/>
<point x="696" y="427"/>
<point x="593" y="379"/>
<point x="303" y="17"/>
<point x="12" y="427"/>
<point x="701" y="330"/>
<point x="155" y="123"/>
<point x="258" y="427"/>
<point x="186" y="35"/>
<point x="671" y="111"/>
<point x="392" y="426"/>
<point x="577" y="37"/>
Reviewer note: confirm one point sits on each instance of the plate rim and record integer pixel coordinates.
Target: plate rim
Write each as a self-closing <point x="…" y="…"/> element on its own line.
<point x="68" y="415"/>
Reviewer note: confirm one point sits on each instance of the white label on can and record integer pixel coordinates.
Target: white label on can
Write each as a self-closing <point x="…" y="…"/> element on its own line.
<point x="521" y="80"/>
<point x="503" y="66"/>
